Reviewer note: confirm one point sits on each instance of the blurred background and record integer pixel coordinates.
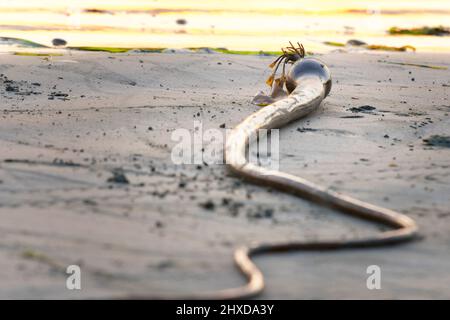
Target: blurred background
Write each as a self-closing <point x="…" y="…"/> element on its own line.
<point x="233" y="24"/>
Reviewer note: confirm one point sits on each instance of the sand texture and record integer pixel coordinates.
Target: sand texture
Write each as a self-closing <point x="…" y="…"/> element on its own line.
<point x="86" y="176"/>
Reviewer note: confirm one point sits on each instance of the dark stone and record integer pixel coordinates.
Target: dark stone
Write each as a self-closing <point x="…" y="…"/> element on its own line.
<point x="118" y="177"/>
<point x="59" y="42"/>
<point x="11" y="88"/>
<point x="363" y="109"/>
<point x="356" y="43"/>
<point x="438" y="141"/>
<point x="208" y="205"/>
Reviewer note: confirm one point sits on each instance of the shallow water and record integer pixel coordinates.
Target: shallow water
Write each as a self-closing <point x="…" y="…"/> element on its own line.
<point x="244" y="25"/>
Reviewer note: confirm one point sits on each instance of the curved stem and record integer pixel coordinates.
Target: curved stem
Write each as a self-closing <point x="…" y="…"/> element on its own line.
<point x="306" y="97"/>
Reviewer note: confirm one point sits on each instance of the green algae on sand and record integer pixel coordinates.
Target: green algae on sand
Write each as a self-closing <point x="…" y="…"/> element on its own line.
<point x="31" y="44"/>
<point x="244" y="52"/>
<point x="102" y="49"/>
<point x="334" y="44"/>
<point x="429" y="66"/>
<point x="379" y="47"/>
<point x="159" y="50"/>
<point x="422" y="31"/>
<point x="37" y="54"/>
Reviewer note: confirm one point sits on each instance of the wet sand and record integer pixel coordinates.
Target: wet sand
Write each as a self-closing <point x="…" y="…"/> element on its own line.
<point x="86" y="176"/>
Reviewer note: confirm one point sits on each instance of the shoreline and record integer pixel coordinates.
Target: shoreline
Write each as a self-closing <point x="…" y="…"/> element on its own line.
<point x="351" y="46"/>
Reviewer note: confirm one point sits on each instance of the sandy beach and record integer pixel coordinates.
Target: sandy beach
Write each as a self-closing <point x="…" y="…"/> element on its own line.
<point x="86" y="175"/>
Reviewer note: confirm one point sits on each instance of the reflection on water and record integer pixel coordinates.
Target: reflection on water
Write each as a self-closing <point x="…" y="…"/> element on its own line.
<point x="245" y="25"/>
